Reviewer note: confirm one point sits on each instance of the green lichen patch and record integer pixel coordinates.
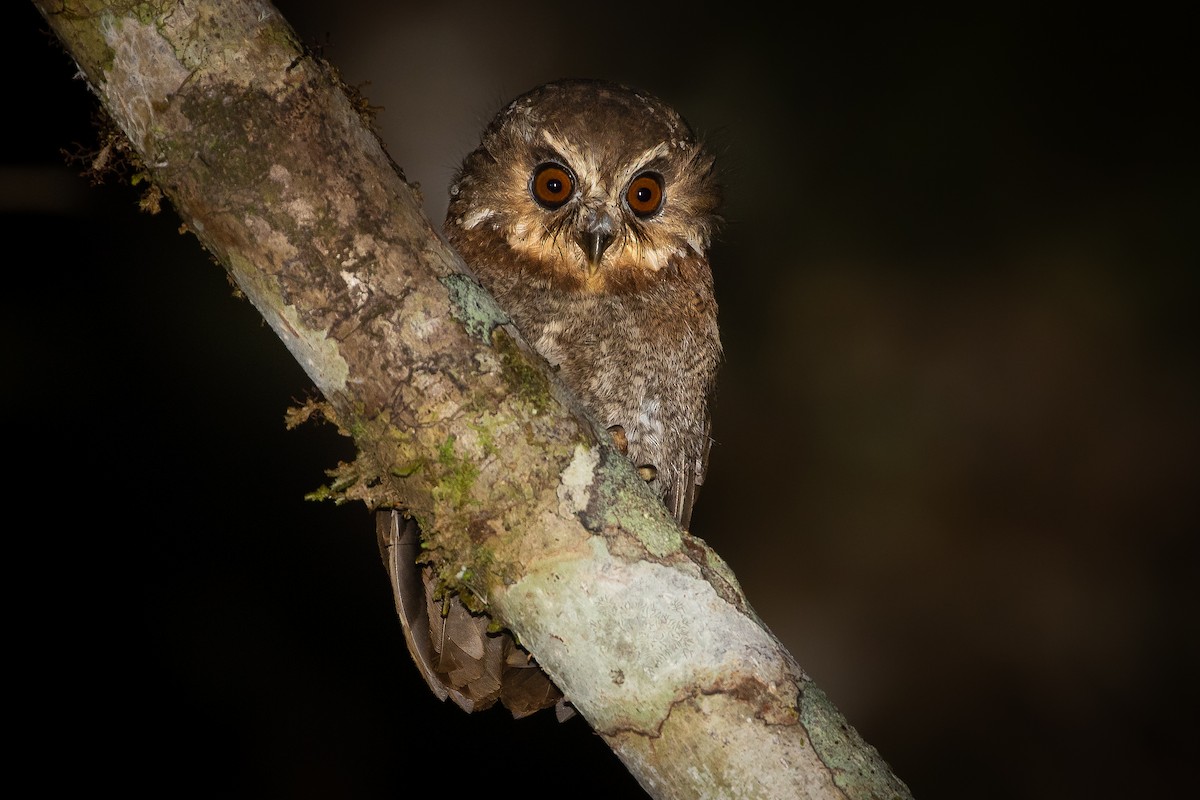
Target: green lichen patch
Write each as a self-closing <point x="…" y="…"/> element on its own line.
<point x="408" y="469"/>
<point x="484" y="430"/>
<point x="522" y="374"/>
<point x="473" y="306"/>
<point x="457" y="478"/>
<point x="621" y="499"/>
<point x="856" y="767"/>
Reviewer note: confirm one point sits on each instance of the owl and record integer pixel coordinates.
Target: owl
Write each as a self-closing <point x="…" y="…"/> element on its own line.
<point x="587" y="211"/>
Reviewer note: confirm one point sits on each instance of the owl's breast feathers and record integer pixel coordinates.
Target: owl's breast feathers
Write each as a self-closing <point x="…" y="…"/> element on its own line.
<point x="644" y="361"/>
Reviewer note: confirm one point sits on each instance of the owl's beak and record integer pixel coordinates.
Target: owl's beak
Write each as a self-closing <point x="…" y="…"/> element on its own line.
<point x="597" y="233"/>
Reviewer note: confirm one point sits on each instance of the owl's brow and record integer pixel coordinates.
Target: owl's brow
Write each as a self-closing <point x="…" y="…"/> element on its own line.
<point x="658" y="153"/>
<point x="560" y="148"/>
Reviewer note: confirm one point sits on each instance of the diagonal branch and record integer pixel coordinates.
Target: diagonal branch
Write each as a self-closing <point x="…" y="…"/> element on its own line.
<point x="524" y="503"/>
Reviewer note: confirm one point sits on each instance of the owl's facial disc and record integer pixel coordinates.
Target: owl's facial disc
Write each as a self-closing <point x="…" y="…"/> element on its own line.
<point x="594" y="236"/>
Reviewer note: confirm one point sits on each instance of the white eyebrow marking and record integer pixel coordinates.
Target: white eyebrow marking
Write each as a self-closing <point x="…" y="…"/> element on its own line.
<point x="554" y="142"/>
<point x="658" y="151"/>
<point x="583" y="162"/>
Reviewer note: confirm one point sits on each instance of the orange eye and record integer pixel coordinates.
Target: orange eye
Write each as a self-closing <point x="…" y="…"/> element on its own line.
<point x="645" y="194"/>
<point x="551" y="185"/>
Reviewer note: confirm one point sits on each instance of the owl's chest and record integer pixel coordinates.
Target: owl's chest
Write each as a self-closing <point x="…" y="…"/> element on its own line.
<point x="618" y="355"/>
<point x="591" y="334"/>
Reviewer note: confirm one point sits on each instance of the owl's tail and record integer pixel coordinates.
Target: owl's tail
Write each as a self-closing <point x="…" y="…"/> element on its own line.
<point x="451" y="645"/>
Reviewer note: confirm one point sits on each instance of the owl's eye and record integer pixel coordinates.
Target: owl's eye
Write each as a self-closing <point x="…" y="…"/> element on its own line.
<point x="551" y="185"/>
<point x="645" y="194"/>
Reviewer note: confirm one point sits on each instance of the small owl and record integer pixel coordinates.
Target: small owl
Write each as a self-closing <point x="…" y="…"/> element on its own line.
<point x="587" y="211"/>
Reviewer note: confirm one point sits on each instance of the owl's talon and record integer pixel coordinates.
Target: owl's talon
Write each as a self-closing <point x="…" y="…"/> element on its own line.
<point x="619" y="439"/>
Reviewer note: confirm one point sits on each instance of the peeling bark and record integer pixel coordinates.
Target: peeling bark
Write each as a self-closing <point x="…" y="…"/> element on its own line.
<point x="525" y="504"/>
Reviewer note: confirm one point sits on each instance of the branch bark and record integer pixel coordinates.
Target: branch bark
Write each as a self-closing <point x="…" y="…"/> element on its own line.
<point x="524" y="503"/>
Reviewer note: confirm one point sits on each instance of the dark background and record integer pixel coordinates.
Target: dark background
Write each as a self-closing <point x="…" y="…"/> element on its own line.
<point x="956" y="449"/>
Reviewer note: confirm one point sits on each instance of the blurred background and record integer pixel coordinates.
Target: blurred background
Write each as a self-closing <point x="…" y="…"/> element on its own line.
<point x="955" y="467"/>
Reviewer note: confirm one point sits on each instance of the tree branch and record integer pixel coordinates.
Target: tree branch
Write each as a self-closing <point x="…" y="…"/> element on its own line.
<point x="525" y="504"/>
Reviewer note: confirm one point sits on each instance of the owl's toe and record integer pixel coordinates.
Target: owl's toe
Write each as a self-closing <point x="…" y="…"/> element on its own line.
<point x="619" y="439"/>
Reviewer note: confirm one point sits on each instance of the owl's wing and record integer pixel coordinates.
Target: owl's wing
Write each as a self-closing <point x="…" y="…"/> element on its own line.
<point x="681" y="496"/>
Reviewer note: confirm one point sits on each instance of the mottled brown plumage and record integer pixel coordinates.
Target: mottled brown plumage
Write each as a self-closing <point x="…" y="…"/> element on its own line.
<point x="587" y="210"/>
<point x="614" y="291"/>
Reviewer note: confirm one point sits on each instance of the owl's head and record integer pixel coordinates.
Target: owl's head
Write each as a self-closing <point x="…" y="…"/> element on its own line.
<point x="586" y="186"/>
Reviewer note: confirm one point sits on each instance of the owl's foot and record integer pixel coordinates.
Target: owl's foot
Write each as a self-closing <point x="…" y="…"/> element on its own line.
<point x="647" y="472"/>
<point x="619" y="439"/>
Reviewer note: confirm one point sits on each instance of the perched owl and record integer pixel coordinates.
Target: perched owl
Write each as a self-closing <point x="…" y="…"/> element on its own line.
<point x="587" y="210"/>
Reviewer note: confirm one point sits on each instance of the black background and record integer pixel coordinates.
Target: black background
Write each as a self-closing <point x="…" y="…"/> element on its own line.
<point x="956" y="460"/>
